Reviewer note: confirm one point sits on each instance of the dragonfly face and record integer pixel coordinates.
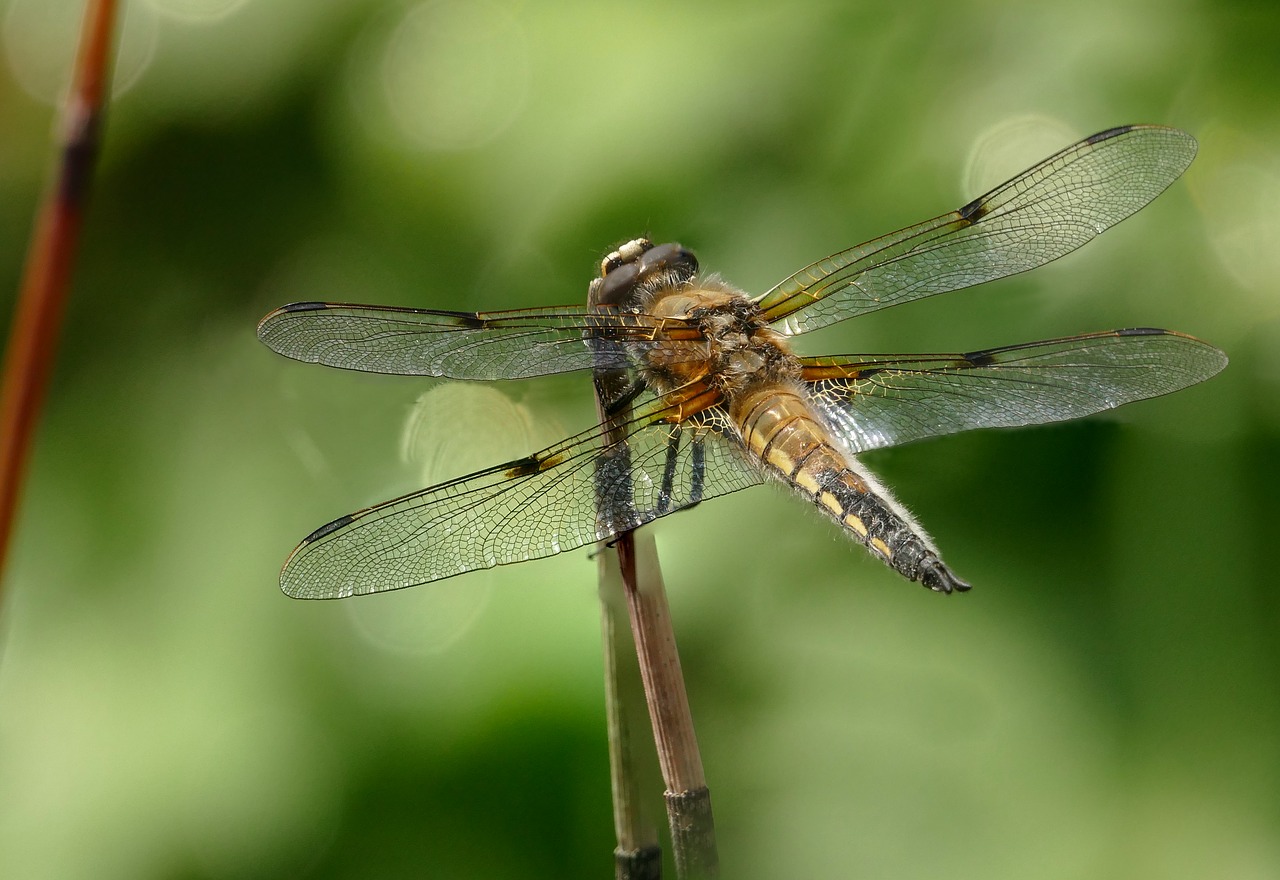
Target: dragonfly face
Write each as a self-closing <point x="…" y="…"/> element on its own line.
<point x="703" y="395"/>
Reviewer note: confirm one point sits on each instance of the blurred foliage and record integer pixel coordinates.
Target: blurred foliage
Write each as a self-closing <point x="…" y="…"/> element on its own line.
<point x="1103" y="705"/>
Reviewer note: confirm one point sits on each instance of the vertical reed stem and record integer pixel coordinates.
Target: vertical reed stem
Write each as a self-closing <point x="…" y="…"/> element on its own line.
<point x="688" y="800"/>
<point x="637" y="855"/>
<point x="29" y="357"/>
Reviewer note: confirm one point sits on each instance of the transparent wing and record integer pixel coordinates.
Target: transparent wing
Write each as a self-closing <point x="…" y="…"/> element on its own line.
<point x="884" y="400"/>
<point x="584" y="490"/>
<point x="1041" y="214"/>
<point x="470" y="345"/>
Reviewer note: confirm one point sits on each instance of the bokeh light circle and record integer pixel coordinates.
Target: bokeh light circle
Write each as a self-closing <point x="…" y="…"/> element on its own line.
<point x="1011" y="146"/>
<point x="452" y="429"/>
<point x="1236" y="184"/>
<point x="454" y="75"/>
<point x="40" y="39"/>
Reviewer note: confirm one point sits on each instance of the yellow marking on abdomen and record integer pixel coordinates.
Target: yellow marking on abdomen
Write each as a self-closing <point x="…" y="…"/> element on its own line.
<point x="831" y="503"/>
<point x="780" y="460"/>
<point x="807" y="481"/>
<point x="857" y="526"/>
<point x="881" y="547"/>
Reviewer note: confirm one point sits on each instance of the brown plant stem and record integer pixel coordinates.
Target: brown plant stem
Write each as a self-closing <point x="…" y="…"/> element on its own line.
<point x="688" y="800"/>
<point x="637" y="855"/>
<point x="29" y="357"/>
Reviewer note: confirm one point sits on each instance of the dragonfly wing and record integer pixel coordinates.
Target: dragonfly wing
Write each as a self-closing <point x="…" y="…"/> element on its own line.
<point x="884" y="400"/>
<point x="584" y="490"/>
<point x="1038" y="216"/>
<point x="469" y="345"/>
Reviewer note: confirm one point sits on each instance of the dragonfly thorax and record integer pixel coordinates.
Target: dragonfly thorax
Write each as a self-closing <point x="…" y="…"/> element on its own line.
<point x="738" y="350"/>
<point x="735" y="350"/>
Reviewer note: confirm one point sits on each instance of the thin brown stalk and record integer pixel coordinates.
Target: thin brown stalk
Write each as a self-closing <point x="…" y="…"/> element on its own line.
<point x="688" y="800"/>
<point x="638" y="855"/>
<point x="29" y="356"/>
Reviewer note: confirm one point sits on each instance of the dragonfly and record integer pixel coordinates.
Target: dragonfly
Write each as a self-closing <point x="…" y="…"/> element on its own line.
<point x="702" y="394"/>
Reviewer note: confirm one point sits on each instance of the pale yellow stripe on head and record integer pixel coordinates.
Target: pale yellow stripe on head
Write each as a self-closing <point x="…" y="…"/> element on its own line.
<point x="856" y="525"/>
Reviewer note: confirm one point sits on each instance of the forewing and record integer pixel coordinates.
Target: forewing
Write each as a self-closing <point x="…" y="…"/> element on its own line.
<point x="884" y="400"/>
<point x="469" y="345"/>
<point x="584" y="490"/>
<point x="1038" y="216"/>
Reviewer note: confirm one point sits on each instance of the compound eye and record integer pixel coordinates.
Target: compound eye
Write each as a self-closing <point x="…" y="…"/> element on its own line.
<point x="671" y="258"/>
<point x="617" y="284"/>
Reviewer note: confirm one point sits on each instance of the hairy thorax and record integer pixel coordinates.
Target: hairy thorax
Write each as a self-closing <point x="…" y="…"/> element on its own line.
<point x="737" y="354"/>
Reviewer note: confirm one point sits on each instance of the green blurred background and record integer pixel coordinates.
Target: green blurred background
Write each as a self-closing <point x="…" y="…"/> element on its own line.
<point x="1104" y="704"/>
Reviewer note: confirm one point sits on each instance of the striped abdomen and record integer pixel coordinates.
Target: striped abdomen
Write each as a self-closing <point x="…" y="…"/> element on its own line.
<point x="782" y="431"/>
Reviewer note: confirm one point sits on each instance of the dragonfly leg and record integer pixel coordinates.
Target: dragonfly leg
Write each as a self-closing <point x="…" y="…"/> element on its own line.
<point x="669" y="474"/>
<point x="698" y="475"/>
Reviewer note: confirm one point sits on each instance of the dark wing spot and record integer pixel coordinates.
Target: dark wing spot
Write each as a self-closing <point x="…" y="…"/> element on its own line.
<point x="1141" y="331"/>
<point x="974" y="211"/>
<point x="328" y="528"/>
<point x="304" y="307"/>
<point x="470" y="320"/>
<point x="523" y="468"/>
<point x="527" y="467"/>
<point x="977" y="359"/>
<point x="1108" y="134"/>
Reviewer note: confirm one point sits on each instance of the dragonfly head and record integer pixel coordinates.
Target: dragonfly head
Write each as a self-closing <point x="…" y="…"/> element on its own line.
<point x="639" y="265"/>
